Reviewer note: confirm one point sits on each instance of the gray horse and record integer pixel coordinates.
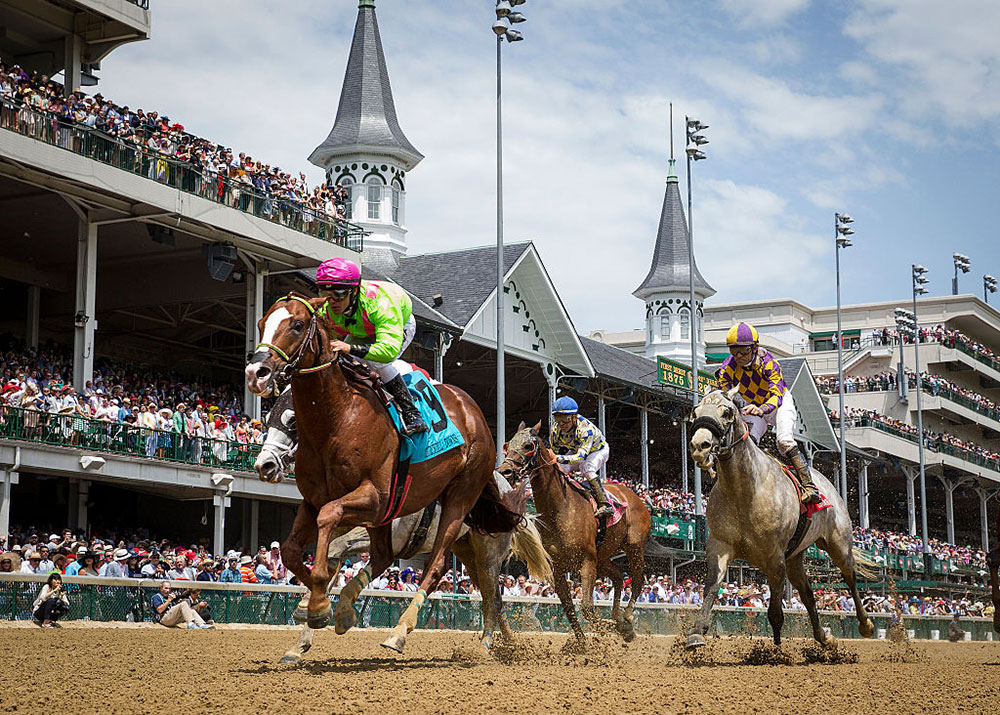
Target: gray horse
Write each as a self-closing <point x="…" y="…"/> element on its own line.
<point x="753" y="514"/>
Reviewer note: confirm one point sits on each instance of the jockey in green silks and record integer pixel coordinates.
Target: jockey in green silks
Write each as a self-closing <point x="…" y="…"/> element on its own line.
<point x="373" y="321"/>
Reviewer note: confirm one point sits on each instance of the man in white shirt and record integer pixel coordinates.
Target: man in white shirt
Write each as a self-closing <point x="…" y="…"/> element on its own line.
<point x="31" y="564"/>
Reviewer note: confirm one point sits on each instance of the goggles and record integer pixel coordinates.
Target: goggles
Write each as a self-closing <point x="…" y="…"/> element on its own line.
<point x="335" y="293"/>
<point x="741" y="350"/>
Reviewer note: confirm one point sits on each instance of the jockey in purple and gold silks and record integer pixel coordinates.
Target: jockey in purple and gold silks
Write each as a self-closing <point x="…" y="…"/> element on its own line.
<point x="581" y="448"/>
<point x="757" y="375"/>
<point x="373" y="321"/>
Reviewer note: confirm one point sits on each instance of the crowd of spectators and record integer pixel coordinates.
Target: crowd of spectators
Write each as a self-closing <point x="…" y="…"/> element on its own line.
<point x="932" y="384"/>
<point x="938" y="334"/>
<point x="877" y="540"/>
<point x="171" y="416"/>
<point x="935" y="441"/>
<point x="151" y="143"/>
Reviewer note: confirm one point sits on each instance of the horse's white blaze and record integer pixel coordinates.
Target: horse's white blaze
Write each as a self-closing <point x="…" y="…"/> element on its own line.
<point x="273" y="321"/>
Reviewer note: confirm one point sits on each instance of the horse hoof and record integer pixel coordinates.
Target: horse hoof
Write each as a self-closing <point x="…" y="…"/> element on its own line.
<point x="830" y="642"/>
<point x="344" y="620"/>
<point x="290" y="659"/>
<point x="695" y="641"/>
<point x="866" y="629"/>
<point x="300" y="615"/>
<point x="319" y="620"/>
<point x="395" y="643"/>
<point x="577" y="646"/>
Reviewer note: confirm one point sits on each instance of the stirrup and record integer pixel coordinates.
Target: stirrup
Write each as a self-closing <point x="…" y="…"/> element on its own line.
<point x="413" y="425"/>
<point x="810" y="496"/>
<point x="605" y="510"/>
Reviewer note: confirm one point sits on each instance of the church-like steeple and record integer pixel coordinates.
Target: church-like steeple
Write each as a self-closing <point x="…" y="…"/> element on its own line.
<point x="669" y="270"/>
<point x="666" y="288"/>
<point x="366" y="117"/>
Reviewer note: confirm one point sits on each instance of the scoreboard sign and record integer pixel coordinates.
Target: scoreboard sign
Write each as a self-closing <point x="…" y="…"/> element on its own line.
<point x="678" y="375"/>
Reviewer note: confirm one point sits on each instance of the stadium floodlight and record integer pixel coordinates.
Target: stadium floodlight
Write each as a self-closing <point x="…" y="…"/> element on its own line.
<point x="840" y="233"/>
<point x="516" y="17"/>
<point x="962" y="263"/>
<point x="989" y="284"/>
<point x="919" y="275"/>
<point x="503" y="9"/>
<point x="513" y="35"/>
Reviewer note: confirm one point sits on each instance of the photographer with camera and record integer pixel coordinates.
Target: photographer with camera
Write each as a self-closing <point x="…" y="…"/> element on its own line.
<point x="171" y="608"/>
<point x="52" y="603"/>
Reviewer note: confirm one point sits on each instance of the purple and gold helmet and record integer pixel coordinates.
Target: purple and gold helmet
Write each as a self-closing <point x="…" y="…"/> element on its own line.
<point x="742" y="334"/>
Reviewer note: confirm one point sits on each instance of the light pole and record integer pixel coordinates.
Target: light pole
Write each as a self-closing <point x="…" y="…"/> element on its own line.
<point x="919" y="275"/>
<point x="504" y="12"/>
<point x="841" y="231"/>
<point x="962" y="263"/>
<point x="694" y="140"/>
<point x="990" y="285"/>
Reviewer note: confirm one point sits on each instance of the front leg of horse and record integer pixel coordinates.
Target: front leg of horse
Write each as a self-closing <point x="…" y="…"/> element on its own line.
<point x="294" y="654"/>
<point x="303" y="532"/>
<point x="717" y="559"/>
<point x="775" y="612"/>
<point x="800" y="582"/>
<point x="562" y="587"/>
<point x="344" y="617"/>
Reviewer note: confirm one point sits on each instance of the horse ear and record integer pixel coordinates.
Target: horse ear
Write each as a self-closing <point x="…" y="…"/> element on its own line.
<point x="520" y="426"/>
<point x="542" y="430"/>
<point x="730" y="394"/>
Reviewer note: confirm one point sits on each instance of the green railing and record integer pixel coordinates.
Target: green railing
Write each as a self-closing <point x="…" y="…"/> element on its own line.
<point x="959" y="399"/>
<point x="184" y="176"/>
<point x="932" y="444"/>
<point x="985" y="359"/>
<point x="118" y="438"/>
<point x="113" y="600"/>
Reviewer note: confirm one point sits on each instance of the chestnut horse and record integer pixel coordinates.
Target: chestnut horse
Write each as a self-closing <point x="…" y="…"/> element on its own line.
<point x="569" y="530"/>
<point x="347" y="455"/>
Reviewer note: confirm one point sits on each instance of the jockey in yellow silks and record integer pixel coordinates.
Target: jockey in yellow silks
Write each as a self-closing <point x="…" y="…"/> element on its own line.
<point x="768" y="401"/>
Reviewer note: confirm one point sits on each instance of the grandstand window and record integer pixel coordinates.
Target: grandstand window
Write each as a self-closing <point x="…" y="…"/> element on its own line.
<point x="348" y="185"/>
<point x="685" y="324"/>
<point x="395" y="204"/>
<point x="664" y="327"/>
<point x="374" y="198"/>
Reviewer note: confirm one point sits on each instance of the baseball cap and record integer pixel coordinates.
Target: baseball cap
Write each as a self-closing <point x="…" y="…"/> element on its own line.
<point x="275" y="545"/>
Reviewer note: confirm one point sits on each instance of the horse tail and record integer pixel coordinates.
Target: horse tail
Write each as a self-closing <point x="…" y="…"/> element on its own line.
<point x="494" y="514"/>
<point x="526" y="545"/>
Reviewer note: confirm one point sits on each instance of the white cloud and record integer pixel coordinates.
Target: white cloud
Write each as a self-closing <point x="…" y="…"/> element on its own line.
<point x="947" y="51"/>
<point x="763" y="12"/>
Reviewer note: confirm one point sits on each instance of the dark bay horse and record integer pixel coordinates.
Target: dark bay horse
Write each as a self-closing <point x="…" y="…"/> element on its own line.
<point x="993" y="561"/>
<point x="348" y="453"/>
<point x="569" y="530"/>
<point x="753" y="514"/>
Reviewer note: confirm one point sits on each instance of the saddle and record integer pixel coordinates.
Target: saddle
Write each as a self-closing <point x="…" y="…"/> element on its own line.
<point x="805" y="511"/>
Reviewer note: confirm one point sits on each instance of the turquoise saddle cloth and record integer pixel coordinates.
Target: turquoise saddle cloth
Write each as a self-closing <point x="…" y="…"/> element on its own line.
<point x="441" y="435"/>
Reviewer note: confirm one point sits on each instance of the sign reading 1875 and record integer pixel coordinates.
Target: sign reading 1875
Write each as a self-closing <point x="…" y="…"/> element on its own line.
<point x="678" y="375"/>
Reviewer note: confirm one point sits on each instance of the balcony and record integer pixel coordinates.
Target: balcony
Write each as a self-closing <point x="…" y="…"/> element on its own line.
<point x="163" y="170"/>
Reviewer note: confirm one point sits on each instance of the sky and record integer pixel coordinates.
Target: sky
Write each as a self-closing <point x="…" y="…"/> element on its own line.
<point x="888" y="110"/>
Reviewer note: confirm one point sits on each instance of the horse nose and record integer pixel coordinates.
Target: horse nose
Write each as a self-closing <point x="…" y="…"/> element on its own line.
<point x="266" y="466"/>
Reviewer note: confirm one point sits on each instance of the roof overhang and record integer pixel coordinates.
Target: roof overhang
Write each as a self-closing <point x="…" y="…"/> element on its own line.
<point x="323" y="155"/>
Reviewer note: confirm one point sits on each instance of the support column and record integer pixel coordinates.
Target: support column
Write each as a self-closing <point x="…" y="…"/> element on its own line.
<point x="34" y="307"/>
<point x="863" y="518"/>
<point x="10" y="478"/>
<point x="644" y="429"/>
<point x="443" y="343"/>
<point x="220" y="503"/>
<point x="73" y="47"/>
<point x="552" y="380"/>
<point x="84" y="320"/>
<point x="949" y="504"/>
<point x="601" y="425"/>
<point x="984" y="521"/>
<point x="255" y="311"/>
<point x="911" y="501"/>
<point x="684" y="457"/>
<point x="254" y="519"/>
<point x="82" y="497"/>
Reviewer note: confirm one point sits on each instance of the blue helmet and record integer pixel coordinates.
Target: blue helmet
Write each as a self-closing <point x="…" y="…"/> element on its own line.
<point x="565" y="406"/>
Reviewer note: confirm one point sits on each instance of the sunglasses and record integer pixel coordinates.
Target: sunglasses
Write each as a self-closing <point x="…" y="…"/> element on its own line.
<point x="336" y="293"/>
<point x="740" y="351"/>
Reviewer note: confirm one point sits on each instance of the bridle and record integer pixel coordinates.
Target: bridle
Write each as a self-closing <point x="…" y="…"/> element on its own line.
<point x="291" y="366"/>
<point x="527" y="465"/>
<point x="725" y="441"/>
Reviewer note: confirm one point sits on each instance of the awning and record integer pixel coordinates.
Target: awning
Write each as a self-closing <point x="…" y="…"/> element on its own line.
<point x="716" y="357"/>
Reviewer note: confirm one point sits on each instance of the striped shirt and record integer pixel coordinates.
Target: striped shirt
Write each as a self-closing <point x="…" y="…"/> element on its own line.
<point x="578" y="442"/>
<point x="760" y="384"/>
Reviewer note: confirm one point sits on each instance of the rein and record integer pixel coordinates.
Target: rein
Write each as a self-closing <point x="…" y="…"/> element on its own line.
<point x="291" y="363"/>
<point x="723" y="451"/>
<point x="523" y="467"/>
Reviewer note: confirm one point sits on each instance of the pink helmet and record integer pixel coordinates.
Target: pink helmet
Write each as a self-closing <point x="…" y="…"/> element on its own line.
<point x="338" y="272"/>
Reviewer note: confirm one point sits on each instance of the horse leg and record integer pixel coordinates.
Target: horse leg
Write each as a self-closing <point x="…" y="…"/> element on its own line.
<point x="775" y="613"/>
<point x="841" y="551"/>
<point x="993" y="562"/>
<point x="637" y="564"/>
<point x="303" y="532"/>
<point x="717" y="557"/>
<point x="380" y="539"/>
<point x="588" y="578"/>
<point x="480" y="554"/>
<point x="358" y="506"/>
<point x="294" y="654"/>
<point x="800" y="581"/>
<point x="453" y="511"/>
<point x="569" y="608"/>
<point x="618" y="581"/>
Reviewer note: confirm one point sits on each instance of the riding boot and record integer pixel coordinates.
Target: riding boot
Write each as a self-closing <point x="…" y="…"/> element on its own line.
<point x="603" y="508"/>
<point x="810" y="495"/>
<point x="409" y="414"/>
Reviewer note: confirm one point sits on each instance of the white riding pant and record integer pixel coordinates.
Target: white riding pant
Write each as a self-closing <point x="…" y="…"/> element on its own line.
<point x="783" y="421"/>
<point x="590" y="466"/>
<point x="388" y="370"/>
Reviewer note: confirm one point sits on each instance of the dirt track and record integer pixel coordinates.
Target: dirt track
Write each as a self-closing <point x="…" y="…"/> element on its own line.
<point x="80" y="669"/>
